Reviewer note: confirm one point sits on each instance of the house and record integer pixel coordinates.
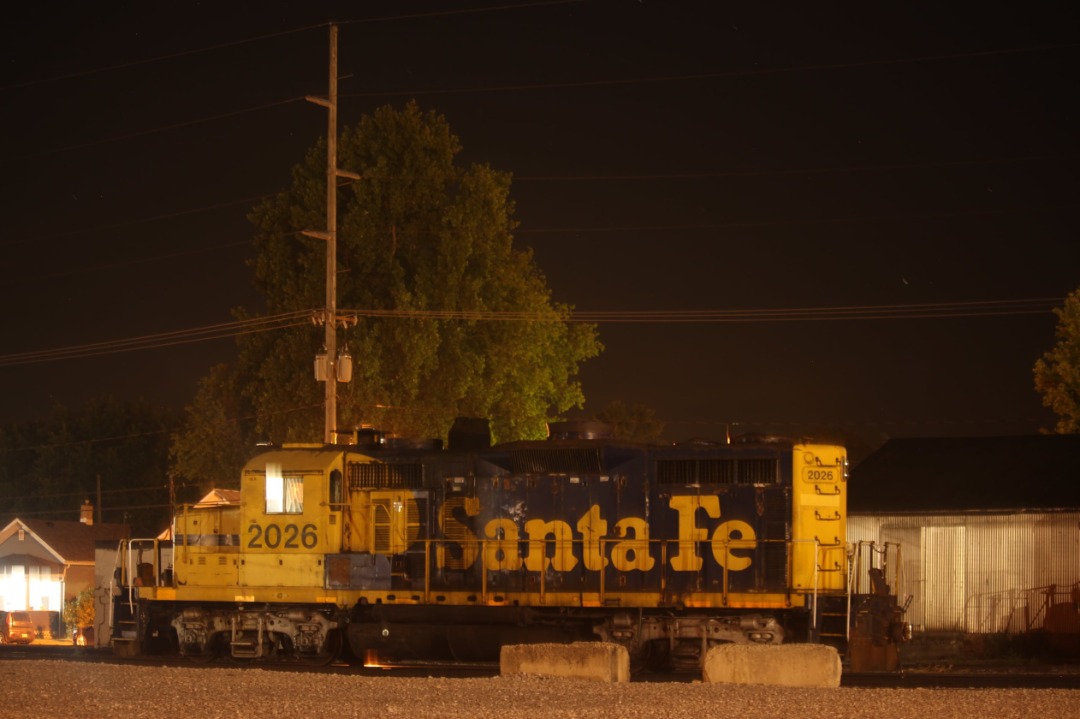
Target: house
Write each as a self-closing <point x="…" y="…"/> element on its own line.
<point x="988" y="527"/>
<point x="45" y="562"/>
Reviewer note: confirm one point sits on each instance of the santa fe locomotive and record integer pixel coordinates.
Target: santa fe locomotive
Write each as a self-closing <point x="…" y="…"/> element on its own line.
<point x="405" y="550"/>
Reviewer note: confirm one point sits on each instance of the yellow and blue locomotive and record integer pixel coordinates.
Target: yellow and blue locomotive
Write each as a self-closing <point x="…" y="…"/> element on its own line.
<point x="408" y="551"/>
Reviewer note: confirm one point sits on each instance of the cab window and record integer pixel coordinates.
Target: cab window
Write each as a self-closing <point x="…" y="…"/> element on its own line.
<point x="284" y="493"/>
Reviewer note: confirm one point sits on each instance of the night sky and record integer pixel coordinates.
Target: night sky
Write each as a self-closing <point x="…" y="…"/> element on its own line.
<point x="667" y="156"/>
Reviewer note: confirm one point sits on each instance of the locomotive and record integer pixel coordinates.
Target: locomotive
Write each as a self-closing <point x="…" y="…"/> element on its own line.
<point x="403" y="550"/>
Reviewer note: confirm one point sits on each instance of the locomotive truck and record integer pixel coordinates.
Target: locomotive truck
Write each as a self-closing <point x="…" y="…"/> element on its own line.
<point x="404" y="550"/>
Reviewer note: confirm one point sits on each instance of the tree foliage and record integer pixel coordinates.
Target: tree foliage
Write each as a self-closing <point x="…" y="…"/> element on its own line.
<point x="417" y="234"/>
<point x="50" y="466"/>
<point x="637" y="423"/>
<point x="215" y="446"/>
<point x="79" y="610"/>
<point x="1057" y="373"/>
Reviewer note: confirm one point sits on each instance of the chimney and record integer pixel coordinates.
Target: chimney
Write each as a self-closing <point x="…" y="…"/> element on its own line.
<point x="86" y="513"/>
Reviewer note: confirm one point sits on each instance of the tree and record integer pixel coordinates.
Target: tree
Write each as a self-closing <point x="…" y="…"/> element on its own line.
<point x="216" y="437"/>
<point x="633" y="424"/>
<point x="79" y="610"/>
<point x="1057" y="373"/>
<point x="49" y="466"/>
<point x="453" y="319"/>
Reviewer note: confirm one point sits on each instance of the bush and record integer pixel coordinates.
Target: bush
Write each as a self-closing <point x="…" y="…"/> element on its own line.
<point x="79" y="611"/>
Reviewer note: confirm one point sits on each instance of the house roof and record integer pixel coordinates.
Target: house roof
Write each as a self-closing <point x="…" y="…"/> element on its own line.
<point x="969" y="474"/>
<point x="70" y="541"/>
<point x="219" y="497"/>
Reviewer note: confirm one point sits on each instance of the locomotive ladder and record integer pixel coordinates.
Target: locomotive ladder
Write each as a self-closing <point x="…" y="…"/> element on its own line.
<point x="832" y="620"/>
<point x="830" y="611"/>
<point x="123" y="607"/>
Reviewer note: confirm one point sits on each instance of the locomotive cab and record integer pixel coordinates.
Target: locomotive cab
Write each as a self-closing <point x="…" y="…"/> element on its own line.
<point x="287" y="522"/>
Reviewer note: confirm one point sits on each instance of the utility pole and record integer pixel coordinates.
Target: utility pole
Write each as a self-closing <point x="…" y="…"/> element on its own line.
<point x="329" y="319"/>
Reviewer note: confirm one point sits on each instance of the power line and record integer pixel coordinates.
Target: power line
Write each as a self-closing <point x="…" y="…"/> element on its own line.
<point x="795" y="222"/>
<point x="985" y="308"/>
<point x="485" y="88"/>
<point x="127" y="263"/>
<point x="709" y="75"/>
<point x="138" y="435"/>
<point x="90" y="441"/>
<point x="615" y="81"/>
<point x="67" y="511"/>
<point x="140" y="220"/>
<point x="151" y="131"/>
<point x="81" y="492"/>
<point x="162" y="339"/>
<point x="268" y="36"/>
<point x="156" y="59"/>
<point x="600" y="228"/>
<point x="782" y="172"/>
<point x="460" y="11"/>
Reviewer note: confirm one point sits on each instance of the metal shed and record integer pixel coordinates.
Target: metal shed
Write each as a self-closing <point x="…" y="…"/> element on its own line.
<point x="989" y="528"/>
<point x="980" y="573"/>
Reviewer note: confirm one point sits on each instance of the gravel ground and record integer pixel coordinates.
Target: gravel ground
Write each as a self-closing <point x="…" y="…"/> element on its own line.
<point x="40" y="688"/>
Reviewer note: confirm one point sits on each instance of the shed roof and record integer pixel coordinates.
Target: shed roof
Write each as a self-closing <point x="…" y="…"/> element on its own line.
<point x="70" y="541"/>
<point x="969" y="474"/>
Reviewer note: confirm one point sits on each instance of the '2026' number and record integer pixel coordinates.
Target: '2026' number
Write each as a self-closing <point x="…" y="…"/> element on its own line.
<point x="290" y="537"/>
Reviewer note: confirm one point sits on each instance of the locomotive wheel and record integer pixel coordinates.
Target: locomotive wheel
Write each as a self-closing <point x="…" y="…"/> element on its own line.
<point x="642" y="660"/>
<point x="657" y="656"/>
<point x="330" y="652"/>
<point x="205" y="656"/>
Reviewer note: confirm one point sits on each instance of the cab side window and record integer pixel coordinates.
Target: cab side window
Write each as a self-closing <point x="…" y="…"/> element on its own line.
<point x="284" y="494"/>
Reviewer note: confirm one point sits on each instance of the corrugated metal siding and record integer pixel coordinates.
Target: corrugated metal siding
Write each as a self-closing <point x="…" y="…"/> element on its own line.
<point x="944" y="557"/>
<point x="978" y="573"/>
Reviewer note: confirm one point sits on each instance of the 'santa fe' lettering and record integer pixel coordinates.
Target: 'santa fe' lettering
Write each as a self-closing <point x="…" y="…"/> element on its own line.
<point x="554" y="545"/>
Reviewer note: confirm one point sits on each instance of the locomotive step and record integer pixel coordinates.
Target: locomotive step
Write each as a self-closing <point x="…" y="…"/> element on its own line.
<point x="245" y="649"/>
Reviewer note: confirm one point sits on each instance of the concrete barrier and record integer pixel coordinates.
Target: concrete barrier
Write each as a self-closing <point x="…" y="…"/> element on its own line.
<point x="790" y="665"/>
<point x="597" y="661"/>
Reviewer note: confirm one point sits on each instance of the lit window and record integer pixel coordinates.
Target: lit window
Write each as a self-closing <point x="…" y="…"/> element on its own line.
<point x="284" y="495"/>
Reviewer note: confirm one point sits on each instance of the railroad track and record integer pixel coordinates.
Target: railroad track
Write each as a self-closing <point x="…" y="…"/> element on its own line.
<point x="1026" y="677"/>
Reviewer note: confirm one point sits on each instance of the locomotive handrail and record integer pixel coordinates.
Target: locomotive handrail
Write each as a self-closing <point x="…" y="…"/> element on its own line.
<point x="141" y="573"/>
<point x="868" y="556"/>
<point x="427" y="571"/>
<point x="851" y="579"/>
<point x="658" y="551"/>
<point x="120" y="576"/>
<point x="663" y="570"/>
